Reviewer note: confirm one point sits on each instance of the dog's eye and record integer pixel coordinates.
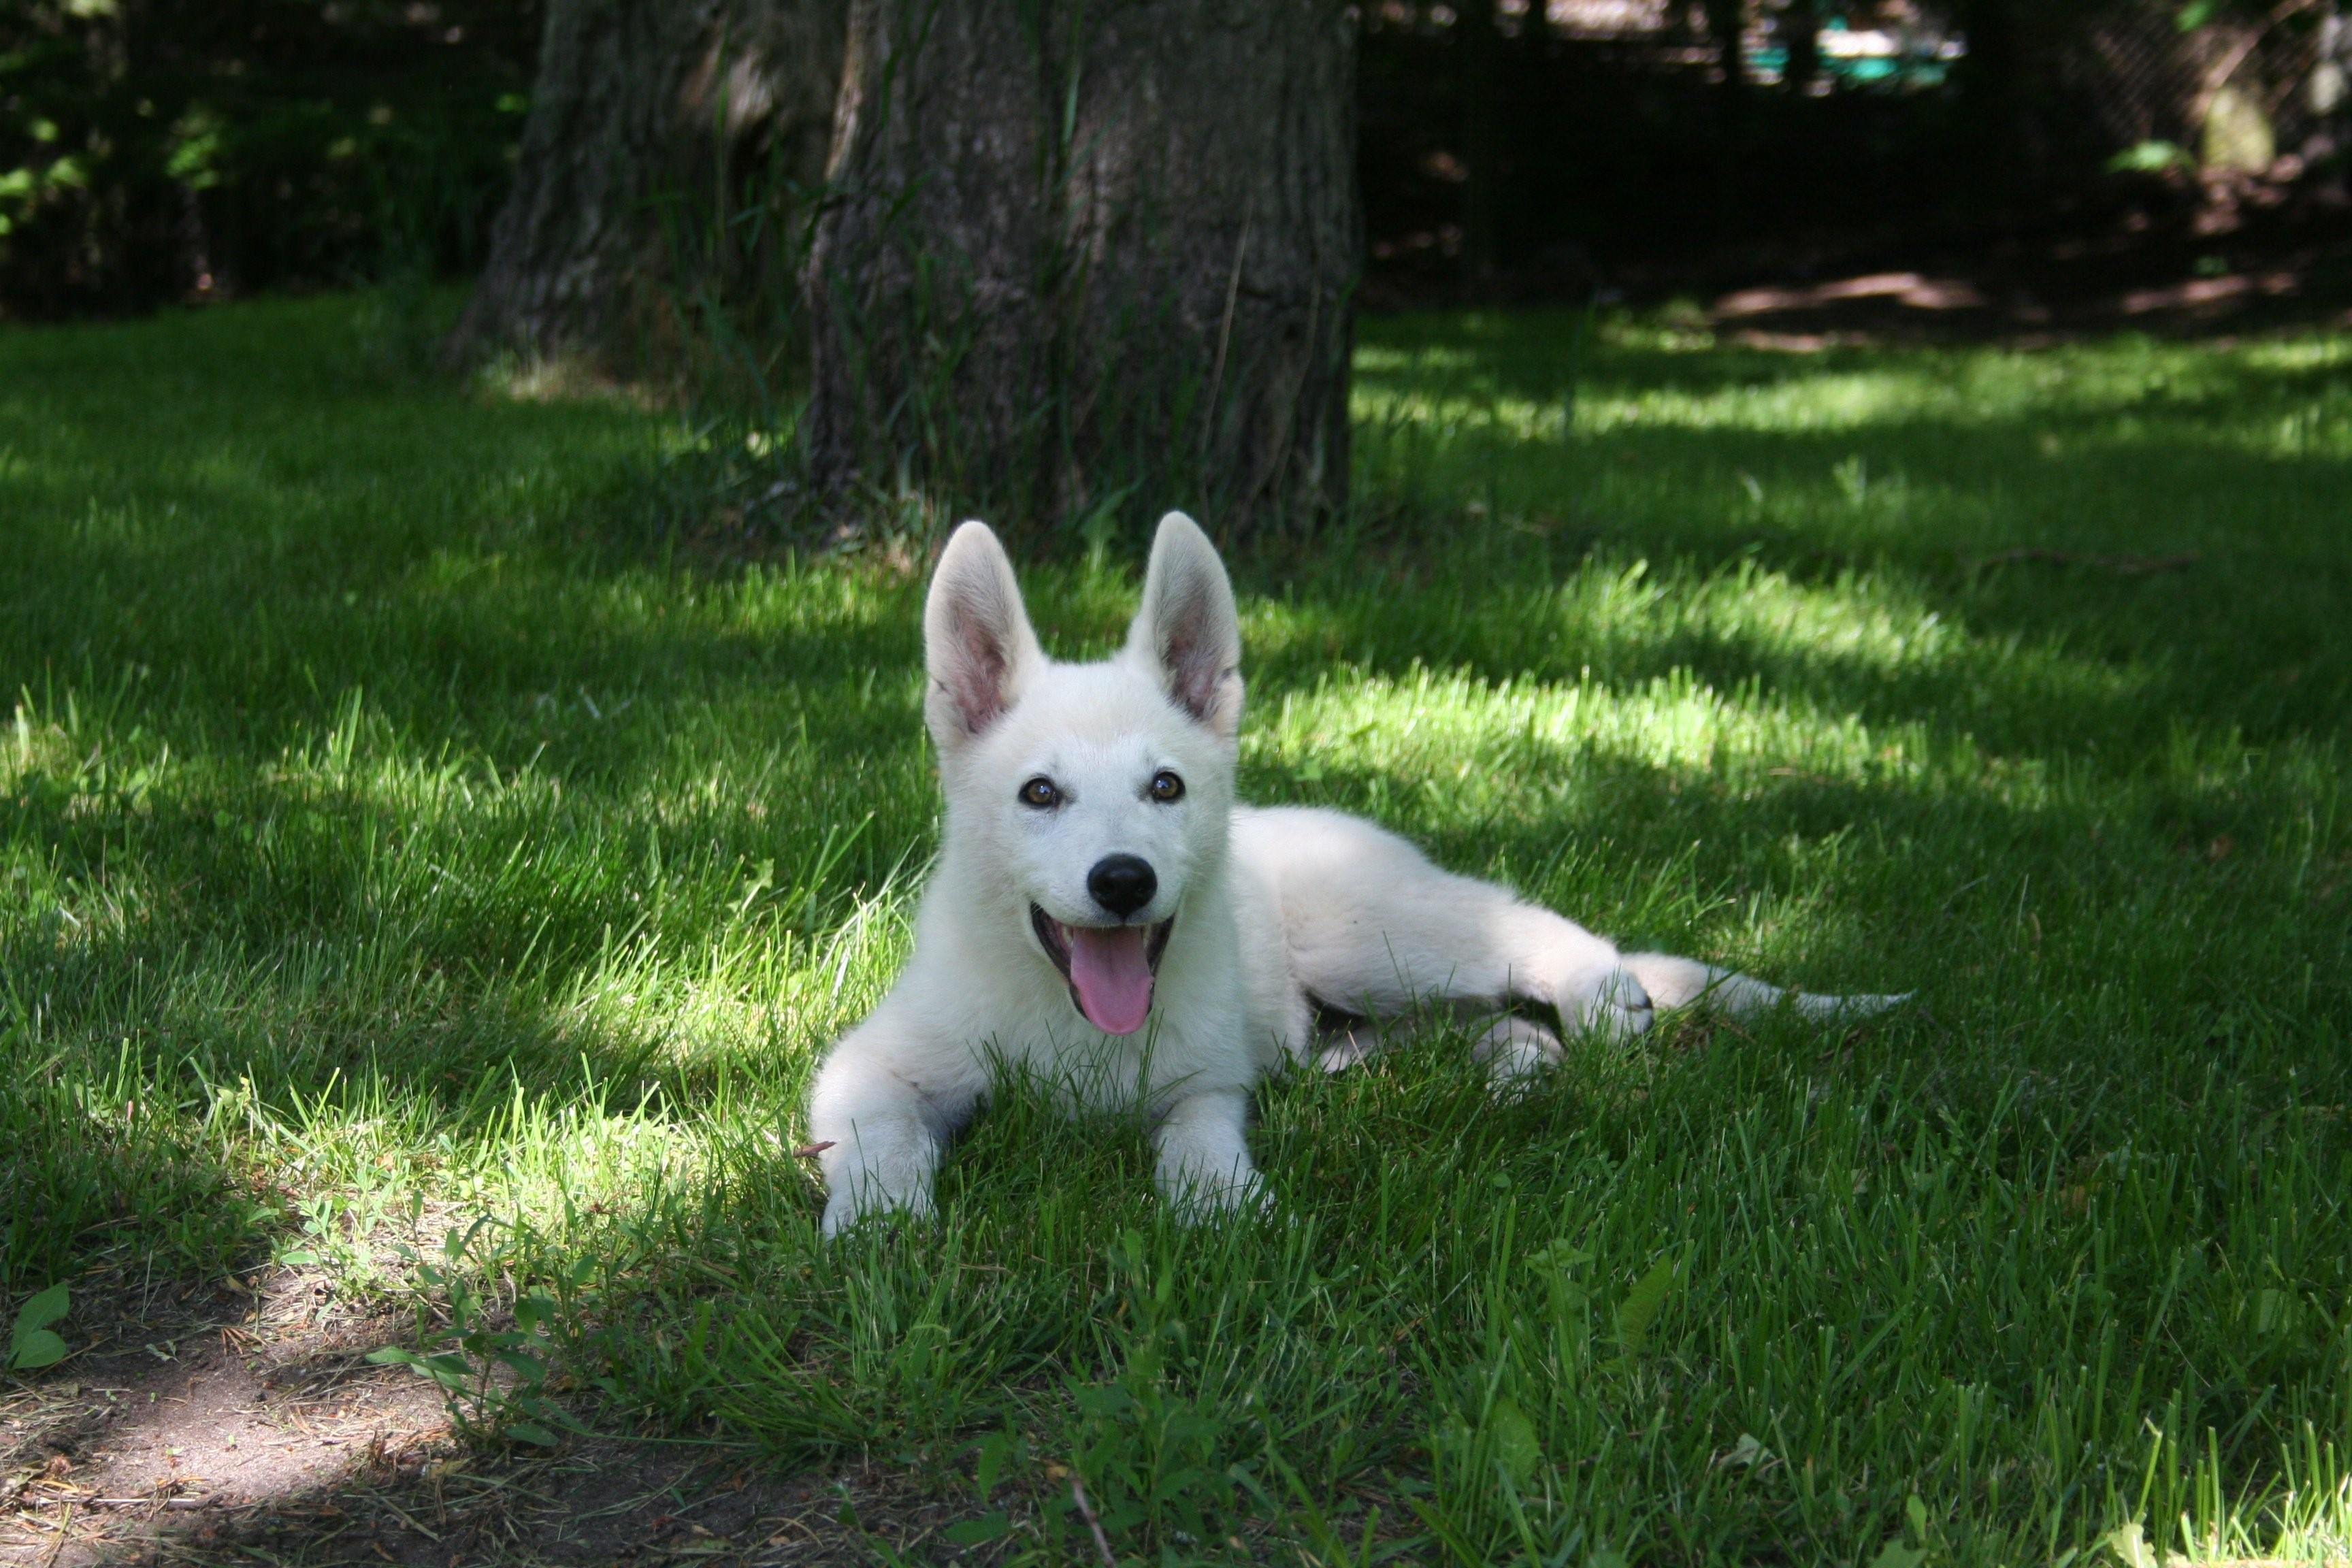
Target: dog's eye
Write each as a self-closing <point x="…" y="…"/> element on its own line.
<point x="1166" y="787"/>
<point x="1041" y="794"/>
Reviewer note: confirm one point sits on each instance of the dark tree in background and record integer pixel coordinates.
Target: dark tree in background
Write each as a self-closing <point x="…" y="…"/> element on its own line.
<point x="1727" y="28"/>
<point x="656" y="128"/>
<point x="153" y="151"/>
<point x="1996" y="85"/>
<point x="1801" y="26"/>
<point x="1081" y="260"/>
<point x="1482" y="47"/>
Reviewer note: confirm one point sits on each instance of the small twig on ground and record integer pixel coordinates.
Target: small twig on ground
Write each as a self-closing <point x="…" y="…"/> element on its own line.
<point x="1086" y="1512"/>
<point x="2128" y="566"/>
<point x="406" y="1518"/>
<point x="65" y="1533"/>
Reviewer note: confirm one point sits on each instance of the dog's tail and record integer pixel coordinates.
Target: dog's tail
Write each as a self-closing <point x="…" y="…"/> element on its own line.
<point x="1675" y="982"/>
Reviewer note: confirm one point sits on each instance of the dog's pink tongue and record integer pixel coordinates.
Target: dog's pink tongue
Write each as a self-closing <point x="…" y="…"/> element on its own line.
<point x="1112" y="976"/>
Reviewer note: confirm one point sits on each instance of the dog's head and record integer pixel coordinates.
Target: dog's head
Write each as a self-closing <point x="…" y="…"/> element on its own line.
<point x="1097" y="794"/>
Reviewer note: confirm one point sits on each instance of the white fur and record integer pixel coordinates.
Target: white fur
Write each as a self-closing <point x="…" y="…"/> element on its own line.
<point x="1276" y="910"/>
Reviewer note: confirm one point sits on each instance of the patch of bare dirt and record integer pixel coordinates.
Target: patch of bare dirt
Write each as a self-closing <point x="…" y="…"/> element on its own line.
<point x="251" y="1429"/>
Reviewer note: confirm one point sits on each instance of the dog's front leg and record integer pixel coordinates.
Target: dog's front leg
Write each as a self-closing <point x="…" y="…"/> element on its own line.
<point x="878" y="1136"/>
<point x="1204" y="1158"/>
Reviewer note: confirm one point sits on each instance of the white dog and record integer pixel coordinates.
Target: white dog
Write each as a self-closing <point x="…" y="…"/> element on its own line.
<point x="1106" y="913"/>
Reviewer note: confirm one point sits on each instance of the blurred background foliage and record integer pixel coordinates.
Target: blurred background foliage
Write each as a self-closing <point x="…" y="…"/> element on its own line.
<point x="1623" y="137"/>
<point x="153" y="151"/>
<point x="161" y="150"/>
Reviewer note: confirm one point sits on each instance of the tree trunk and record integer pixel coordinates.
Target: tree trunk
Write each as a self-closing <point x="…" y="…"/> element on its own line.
<point x="1801" y="25"/>
<point x="652" y="123"/>
<point x="1726" y="27"/>
<point x="1481" y="78"/>
<point x="1083" y="261"/>
<point x="1992" y="83"/>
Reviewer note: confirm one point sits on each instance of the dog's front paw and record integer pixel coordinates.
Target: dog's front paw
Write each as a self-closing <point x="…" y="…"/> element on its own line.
<point x="863" y="1203"/>
<point x="1198" y="1197"/>
<point x="1606" y="1000"/>
<point x="1517" y="1051"/>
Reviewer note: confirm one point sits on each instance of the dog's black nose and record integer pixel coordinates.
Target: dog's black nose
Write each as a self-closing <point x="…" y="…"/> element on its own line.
<point x="1122" y="883"/>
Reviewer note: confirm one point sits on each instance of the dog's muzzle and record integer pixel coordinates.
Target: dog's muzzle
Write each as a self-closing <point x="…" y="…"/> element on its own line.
<point x="1110" y="970"/>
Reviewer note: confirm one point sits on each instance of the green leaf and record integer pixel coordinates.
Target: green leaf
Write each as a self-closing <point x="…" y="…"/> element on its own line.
<point x="32" y="1346"/>
<point x="448" y="1369"/>
<point x="1511" y="1437"/>
<point x="531" y="1432"/>
<point x="2130" y="1547"/>
<point x="1895" y="1555"/>
<point x="1560" y="1255"/>
<point x="1105" y="1400"/>
<point x="1748" y="1453"/>
<point x="2150" y="158"/>
<point x="1643" y="1302"/>
<point x="975" y="1532"/>
<point x="42" y="1310"/>
<point x="995" y="1459"/>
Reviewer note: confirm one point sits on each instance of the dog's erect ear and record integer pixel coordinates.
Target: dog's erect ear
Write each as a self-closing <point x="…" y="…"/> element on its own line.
<point x="1188" y="630"/>
<point x="976" y="638"/>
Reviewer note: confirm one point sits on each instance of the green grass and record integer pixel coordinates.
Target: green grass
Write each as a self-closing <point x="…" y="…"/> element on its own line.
<point x="390" y="837"/>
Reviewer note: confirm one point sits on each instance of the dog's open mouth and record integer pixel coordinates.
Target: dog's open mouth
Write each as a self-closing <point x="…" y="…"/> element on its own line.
<point x="1110" y="968"/>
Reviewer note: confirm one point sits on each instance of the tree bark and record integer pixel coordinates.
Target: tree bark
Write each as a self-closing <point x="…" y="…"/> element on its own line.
<point x="1992" y="81"/>
<point x="1800" y="25"/>
<point x="652" y="124"/>
<point x="1727" y="25"/>
<point x="1481" y="48"/>
<point x="1085" y="261"/>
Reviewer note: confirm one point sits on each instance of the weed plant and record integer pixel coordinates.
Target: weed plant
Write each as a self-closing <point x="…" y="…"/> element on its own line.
<point x="391" y="850"/>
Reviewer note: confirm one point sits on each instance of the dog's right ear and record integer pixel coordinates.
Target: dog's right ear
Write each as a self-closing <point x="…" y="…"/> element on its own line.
<point x="977" y="643"/>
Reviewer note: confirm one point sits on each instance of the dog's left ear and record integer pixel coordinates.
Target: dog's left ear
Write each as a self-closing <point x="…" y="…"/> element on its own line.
<point x="1188" y="631"/>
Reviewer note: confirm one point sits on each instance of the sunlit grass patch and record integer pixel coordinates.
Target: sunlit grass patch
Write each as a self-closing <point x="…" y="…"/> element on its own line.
<point x="393" y="843"/>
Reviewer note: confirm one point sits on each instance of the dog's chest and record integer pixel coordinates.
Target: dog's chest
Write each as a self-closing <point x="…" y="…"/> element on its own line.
<point x="1177" y="1051"/>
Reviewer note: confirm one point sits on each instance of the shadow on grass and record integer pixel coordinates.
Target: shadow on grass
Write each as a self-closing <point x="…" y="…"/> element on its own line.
<point x="380" y="820"/>
<point x="1890" y="476"/>
<point x="371" y="947"/>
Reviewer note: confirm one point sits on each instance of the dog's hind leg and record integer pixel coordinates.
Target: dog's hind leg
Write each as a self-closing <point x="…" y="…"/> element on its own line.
<point x="1339" y="1049"/>
<point x="1512" y="1047"/>
<point x="1374" y="927"/>
<point x="1674" y="982"/>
